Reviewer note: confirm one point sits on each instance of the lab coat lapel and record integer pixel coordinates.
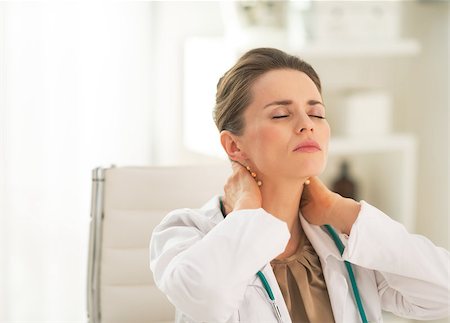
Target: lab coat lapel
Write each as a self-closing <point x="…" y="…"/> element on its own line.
<point x="333" y="267"/>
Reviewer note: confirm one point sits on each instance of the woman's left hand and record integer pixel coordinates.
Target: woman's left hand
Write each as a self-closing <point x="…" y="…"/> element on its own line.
<point x="321" y="206"/>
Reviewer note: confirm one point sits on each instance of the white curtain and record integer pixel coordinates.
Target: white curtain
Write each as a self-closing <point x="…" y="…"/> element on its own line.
<point x="75" y="93"/>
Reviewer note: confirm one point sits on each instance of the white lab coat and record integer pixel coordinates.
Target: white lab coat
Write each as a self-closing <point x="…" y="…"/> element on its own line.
<point x="206" y="265"/>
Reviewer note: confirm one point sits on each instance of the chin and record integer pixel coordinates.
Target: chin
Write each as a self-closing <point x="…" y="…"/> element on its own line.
<point x="304" y="173"/>
<point x="312" y="167"/>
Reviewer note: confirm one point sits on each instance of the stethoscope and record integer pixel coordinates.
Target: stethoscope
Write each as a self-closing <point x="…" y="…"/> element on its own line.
<point x="341" y="248"/>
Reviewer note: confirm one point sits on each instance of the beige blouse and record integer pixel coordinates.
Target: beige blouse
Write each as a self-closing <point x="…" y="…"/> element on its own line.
<point x="302" y="284"/>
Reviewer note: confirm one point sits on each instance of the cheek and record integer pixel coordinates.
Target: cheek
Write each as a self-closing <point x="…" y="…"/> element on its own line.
<point x="324" y="142"/>
<point x="269" y="135"/>
<point x="263" y="136"/>
<point x="263" y="143"/>
<point x="325" y="133"/>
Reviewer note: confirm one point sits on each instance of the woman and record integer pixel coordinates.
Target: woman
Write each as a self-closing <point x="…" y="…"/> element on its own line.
<point x="213" y="263"/>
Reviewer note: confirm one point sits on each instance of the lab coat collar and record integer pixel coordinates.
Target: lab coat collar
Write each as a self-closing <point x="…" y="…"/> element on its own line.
<point x="321" y="240"/>
<point x="334" y="272"/>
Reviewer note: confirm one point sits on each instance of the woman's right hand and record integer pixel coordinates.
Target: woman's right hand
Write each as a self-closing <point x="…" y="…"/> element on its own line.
<point x="241" y="190"/>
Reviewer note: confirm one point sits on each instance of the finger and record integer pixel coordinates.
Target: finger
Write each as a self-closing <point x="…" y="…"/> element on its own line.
<point x="314" y="180"/>
<point x="236" y="165"/>
<point x="305" y="199"/>
<point x="237" y="162"/>
<point x="315" y="185"/>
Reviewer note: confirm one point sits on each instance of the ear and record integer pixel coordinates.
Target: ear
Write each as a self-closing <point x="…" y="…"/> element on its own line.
<point x="232" y="146"/>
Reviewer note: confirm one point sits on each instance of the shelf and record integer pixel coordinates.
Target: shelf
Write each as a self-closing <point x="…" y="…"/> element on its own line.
<point x="343" y="49"/>
<point x="319" y="49"/>
<point x="403" y="47"/>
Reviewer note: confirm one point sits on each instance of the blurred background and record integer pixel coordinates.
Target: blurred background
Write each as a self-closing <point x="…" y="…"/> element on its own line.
<point x="87" y="84"/>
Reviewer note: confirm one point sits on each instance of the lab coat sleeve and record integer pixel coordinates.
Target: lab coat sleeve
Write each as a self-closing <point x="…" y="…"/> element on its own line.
<point x="412" y="273"/>
<point x="205" y="275"/>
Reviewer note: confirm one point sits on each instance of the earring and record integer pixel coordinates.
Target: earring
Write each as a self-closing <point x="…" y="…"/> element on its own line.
<point x="307" y="182"/>
<point x="258" y="182"/>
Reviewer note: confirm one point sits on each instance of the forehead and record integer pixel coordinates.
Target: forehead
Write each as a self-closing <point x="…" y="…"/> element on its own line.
<point x="284" y="84"/>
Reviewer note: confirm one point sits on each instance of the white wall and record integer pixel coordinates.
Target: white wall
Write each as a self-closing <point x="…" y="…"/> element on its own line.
<point x="3" y="278"/>
<point x="76" y="93"/>
<point x="424" y="101"/>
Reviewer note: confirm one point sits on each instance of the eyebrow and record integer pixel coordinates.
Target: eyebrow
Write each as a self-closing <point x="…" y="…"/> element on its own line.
<point x="288" y="102"/>
<point x="281" y="102"/>
<point x="314" y="102"/>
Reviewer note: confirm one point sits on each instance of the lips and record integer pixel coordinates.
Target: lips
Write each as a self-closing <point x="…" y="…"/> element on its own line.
<point x="308" y="146"/>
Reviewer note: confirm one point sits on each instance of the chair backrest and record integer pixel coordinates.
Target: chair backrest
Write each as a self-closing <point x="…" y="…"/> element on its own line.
<point x="127" y="203"/>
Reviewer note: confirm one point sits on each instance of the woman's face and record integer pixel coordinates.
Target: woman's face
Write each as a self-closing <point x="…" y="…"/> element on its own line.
<point x="285" y="134"/>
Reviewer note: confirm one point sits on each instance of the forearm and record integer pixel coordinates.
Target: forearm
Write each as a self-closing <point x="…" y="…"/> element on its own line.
<point x="378" y="242"/>
<point x="414" y="269"/>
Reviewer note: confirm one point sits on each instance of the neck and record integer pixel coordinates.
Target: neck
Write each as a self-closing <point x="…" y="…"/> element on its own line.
<point x="282" y="200"/>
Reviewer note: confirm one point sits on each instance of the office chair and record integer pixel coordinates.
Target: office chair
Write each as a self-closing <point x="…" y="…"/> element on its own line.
<point x="127" y="203"/>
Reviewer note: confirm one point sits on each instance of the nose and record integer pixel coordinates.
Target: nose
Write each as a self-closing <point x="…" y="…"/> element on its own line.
<point x="304" y="124"/>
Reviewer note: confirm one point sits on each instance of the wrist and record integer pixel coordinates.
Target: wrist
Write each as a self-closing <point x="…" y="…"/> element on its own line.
<point x="243" y="204"/>
<point x="345" y="212"/>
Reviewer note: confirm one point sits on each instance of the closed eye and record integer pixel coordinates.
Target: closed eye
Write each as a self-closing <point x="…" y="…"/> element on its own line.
<point x="280" y="117"/>
<point x="316" y="116"/>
